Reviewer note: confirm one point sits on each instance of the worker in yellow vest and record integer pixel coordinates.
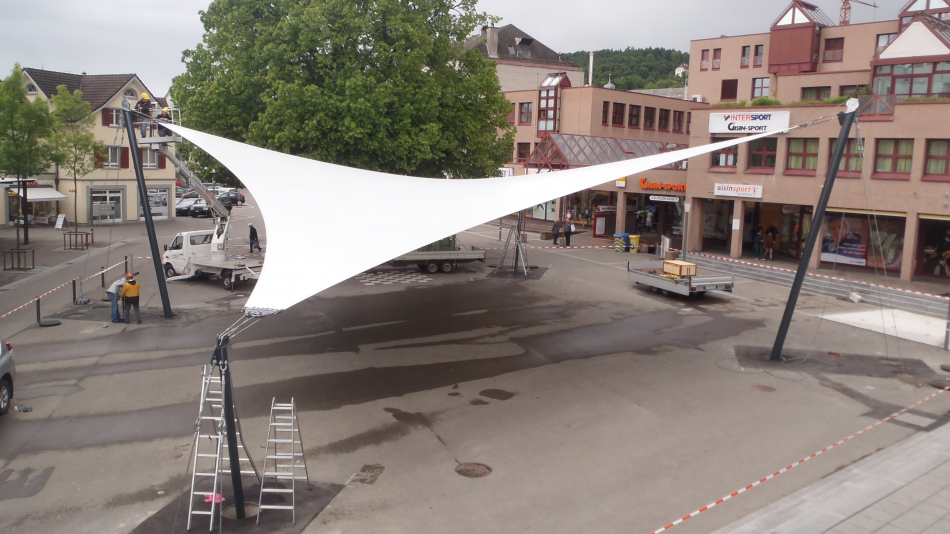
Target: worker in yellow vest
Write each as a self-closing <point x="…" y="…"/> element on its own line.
<point x="130" y="297"/>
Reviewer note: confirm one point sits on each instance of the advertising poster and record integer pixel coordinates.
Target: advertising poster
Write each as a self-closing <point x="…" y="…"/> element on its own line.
<point x="862" y="240"/>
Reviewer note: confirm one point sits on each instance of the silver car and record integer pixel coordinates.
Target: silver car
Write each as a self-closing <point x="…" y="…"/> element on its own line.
<point x="7" y="375"/>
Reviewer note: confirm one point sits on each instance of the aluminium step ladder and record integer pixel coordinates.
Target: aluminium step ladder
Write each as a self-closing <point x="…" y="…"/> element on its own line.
<point x="207" y="466"/>
<point x="285" y="454"/>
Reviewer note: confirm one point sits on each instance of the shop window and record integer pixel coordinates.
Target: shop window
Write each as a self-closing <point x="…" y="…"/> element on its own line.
<point x="802" y="156"/>
<point x="893" y="157"/>
<point x="524" y="114"/>
<point x="524" y="149"/>
<point x="511" y="116"/>
<point x="851" y="90"/>
<point x="884" y="39"/>
<point x="834" y="50"/>
<point x="917" y="80"/>
<point x="649" y="118"/>
<point x="678" y="121"/>
<point x="717" y="58"/>
<point x="633" y="119"/>
<point x="933" y="248"/>
<point x="730" y="90"/>
<point x="862" y="240"/>
<point x="852" y="162"/>
<point x="746" y="57"/>
<point x="664" y="120"/>
<point x="619" y="110"/>
<point x="760" y="87"/>
<point x="759" y="56"/>
<point x="689" y="120"/>
<point x="762" y="153"/>
<point x="815" y="93"/>
<point x="938" y="158"/>
<point x="727" y="157"/>
<point x="704" y="62"/>
<point x="605" y="116"/>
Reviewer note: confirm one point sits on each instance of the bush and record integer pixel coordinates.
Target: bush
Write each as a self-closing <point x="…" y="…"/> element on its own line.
<point x="836" y="100"/>
<point x="739" y="104"/>
<point x="766" y="101"/>
<point x="926" y="99"/>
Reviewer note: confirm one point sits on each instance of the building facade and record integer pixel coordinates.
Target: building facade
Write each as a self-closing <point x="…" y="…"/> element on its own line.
<point x="109" y="194"/>
<point x="889" y="207"/>
<point x="521" y="62"/>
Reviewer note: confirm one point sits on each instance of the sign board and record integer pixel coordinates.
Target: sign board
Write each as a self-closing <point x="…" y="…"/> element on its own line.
<point x="60" y="220"/>
<point x="735" y="224"/>
<point x="505" y="172"/>
<point x="738" y="190"/>
<point x="660" y="198"/>
<point x="749" y="122"/>
<point x="621" y="182"/>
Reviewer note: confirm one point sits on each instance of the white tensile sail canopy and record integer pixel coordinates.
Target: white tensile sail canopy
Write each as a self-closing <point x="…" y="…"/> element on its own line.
<point x="364" y="218"/>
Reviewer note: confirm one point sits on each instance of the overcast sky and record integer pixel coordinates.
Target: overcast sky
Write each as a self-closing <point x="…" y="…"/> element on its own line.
<point x="147" y="38"/>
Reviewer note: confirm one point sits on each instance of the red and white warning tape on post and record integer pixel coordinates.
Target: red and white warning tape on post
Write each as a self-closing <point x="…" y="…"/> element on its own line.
<point x="869" y="284"/>
<point x="590" y="246"/>
<point x="24" y="305"/>
<point x="107" y="269"/>
<point x="798" y="463"/>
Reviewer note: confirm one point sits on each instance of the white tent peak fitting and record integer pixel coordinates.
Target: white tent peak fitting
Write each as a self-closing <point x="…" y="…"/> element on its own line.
<point x="374" y="217"/>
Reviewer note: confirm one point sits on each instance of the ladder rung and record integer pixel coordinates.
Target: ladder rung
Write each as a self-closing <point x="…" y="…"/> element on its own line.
<point x="281" y="424"/>
<point x="275" y="507"/>
<point x="242" y="472"/>
<point x="212" y="436"/>
<point x="283" y="441"/>
<point x="281" y="456"/>
<point x="204" y="474"/>
<point x="285" y="466"/>
<point x="205" y="493"/>
<point x="199" y="512"/>
<point x="276" y="490"/>
<point x="285" y="430"/>
<point x="208" y="455"/>
<point x="283" y="417"/>
<point x="281" y="476"/>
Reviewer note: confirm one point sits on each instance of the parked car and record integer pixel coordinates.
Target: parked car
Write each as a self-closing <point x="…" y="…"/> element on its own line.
<point x="183" y="206"/>
<point x="200" y="209"/>
<point x="232" y="196"/>
<point x="179" y="191"/>
<point x="191" y="193"/>
<point x="7" y="376"/>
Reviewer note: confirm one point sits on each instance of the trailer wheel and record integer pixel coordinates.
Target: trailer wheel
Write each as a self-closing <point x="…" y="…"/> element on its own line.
<point x="432" y="267"/>
<point x="447" y="266"/>
<point x="226" y="280"/>
<point x="666" y="292"/>
<point x="169" y="271"/>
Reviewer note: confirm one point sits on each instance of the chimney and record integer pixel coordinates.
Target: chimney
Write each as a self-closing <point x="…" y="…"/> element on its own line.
<point x="590" y="70"/>
<point x="492" y="42"/>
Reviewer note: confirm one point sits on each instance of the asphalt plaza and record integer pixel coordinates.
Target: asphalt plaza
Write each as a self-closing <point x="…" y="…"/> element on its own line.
<point x="597" y="406"/>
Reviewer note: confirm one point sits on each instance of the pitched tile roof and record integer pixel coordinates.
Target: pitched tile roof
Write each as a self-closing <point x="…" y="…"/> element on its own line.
<point x="516" y="45"/>
<point x="97" y="89"/>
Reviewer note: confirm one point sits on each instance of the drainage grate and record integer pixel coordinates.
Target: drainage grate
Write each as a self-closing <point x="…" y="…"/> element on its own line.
<point x="473" y="470"/>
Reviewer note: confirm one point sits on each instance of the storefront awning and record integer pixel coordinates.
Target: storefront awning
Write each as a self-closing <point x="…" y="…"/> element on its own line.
<point x="43" y="194"/>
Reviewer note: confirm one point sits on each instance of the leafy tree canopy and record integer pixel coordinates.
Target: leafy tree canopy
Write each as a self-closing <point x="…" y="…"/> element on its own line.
<point x="375" y="84"/>
<point x="74" y="141"/>
<point x="24" y="130"/>
<point x="633" y="68"/>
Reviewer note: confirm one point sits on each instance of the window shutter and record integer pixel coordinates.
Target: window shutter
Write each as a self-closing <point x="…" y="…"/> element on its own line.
<point x="161" y="161"/>
<point x="124" y="162"/>
<point x="100" y="158"/>
<point x="107" y="117"/>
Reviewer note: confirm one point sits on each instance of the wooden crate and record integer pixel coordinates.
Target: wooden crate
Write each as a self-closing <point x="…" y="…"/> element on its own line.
<point x="679" y="268"/>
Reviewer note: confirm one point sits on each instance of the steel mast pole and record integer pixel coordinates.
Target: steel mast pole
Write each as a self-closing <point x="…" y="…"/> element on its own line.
<point x="846" y="119"/>
<point x="234" y="459"/>
<point x="128" y="114"/>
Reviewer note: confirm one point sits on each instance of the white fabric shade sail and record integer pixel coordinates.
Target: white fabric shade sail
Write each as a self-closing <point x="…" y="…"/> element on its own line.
<point x="366" y="218"/>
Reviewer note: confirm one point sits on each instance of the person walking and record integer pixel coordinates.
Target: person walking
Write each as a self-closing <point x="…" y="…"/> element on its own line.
<point x="113" y="293"/>
<point x="255" y="241"/>
<point x="556" y="229"/>
<point x="130" y="298"/>
<point x="568" y="230"/>
<point x="769" y="242"/>
<point x="757" y="243"/>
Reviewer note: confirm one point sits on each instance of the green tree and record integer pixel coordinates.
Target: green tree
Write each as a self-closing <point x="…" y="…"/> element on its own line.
<point x="634" y="68"/>
<point x="25" y="128"/>
<point x="75" y="142"/>
<point x="376" y="84"/>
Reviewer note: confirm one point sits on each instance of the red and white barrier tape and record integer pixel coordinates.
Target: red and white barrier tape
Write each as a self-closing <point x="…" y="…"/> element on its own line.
<point x="557" y="247"/>
<point x="798" y="463"/>
<point x="24" y="305"/>
<point x="107" y="269"/>
<point x="819" y="275"/>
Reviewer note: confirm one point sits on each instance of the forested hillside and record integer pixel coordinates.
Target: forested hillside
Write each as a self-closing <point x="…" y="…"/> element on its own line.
<point x="633" y="68"/>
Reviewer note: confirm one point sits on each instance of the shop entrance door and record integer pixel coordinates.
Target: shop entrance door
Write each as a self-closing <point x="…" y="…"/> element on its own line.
<point x="107" y="205"/>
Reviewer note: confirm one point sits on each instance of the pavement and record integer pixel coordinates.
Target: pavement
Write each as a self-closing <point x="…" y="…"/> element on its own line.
<point x="595" y="405"/>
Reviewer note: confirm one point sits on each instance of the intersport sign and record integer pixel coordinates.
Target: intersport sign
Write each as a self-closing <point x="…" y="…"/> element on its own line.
<point x="745" y="122"/>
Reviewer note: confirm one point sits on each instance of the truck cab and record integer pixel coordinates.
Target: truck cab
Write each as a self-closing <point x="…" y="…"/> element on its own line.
<point x="186" y="250"/>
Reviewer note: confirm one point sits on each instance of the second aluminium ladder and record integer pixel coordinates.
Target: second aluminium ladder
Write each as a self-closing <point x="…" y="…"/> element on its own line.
<point x="284" y="449"/>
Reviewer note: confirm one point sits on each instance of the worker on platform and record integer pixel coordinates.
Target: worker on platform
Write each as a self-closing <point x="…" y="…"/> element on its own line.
<point x="164" y="116"/>
<point x="143" y="109"/>
<point x="113" y="293"/>
<point x="130" y="298"/>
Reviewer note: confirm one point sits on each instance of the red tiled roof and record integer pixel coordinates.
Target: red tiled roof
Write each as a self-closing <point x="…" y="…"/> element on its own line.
<point x="97" y="89"/>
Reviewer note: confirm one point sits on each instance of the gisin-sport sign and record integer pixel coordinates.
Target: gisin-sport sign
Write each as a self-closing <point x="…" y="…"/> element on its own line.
<point x="738" y="190"/>
<point x="745" y="122"/>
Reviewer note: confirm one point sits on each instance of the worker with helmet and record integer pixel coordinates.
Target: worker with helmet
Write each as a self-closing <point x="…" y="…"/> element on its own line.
<point x="164" y="116"/>
<point x="143" y="109"/>
<point x="130" y="297"/>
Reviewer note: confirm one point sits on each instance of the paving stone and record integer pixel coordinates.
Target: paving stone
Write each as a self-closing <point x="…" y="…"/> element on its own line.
<point x="931" y="509"/>
<point x="910" y="497"/>
<point x="866" y="521"/>
<point x="879" y="514"/>
<point x="939" y="502"/>
<point x="891" y="529"/>
<point x="915" y="521"/>
<point x="892" y="507"/>
<point x="850" y="527"/>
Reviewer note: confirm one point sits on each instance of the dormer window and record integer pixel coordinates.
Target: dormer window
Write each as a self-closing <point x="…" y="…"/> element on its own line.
<point x="130" y="93"/>
<point x="30" y="89"/>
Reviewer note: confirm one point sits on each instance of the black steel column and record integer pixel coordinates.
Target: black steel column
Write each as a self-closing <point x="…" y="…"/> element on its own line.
<point x="26" y="215"/>
<point x="129" y="116"/>
<point x="234" y="457"/>
<point x="518" y="242"/>
<point x="846" y="120"/>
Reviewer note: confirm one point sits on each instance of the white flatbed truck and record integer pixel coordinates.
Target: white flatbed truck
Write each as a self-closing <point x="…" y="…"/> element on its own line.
<point x="195" y="254"/>
<point x="446" y="261"/>
<point x="688" y="285"/>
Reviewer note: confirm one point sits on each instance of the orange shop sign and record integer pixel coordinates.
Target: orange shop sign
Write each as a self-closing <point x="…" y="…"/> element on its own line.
<point x="666" y="187"/>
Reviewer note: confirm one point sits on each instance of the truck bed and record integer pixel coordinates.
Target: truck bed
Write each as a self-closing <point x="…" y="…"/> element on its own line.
<point x="463" y="255"/>
<point x="690" y="285"/>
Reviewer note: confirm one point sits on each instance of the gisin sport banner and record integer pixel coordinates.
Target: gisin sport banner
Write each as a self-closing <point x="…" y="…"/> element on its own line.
<point x="744" y="122"/>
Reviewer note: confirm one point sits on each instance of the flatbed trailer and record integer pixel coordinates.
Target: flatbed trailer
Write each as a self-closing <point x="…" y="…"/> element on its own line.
<point x="446" y="261"/>
<point x="693" y="285"/>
